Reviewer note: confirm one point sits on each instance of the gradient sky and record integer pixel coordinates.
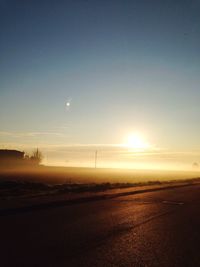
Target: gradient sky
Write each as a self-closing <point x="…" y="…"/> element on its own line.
<point x="124" y="66"/>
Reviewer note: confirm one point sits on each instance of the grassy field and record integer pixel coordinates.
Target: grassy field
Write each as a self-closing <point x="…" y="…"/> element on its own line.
<point x="45" y="184"/>
<point x="60" y="175"/>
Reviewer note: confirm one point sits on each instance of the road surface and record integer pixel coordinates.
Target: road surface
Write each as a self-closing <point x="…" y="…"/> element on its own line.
<point x="150" y="229"/>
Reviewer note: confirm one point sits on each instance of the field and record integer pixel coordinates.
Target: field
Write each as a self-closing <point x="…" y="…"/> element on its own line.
<point x="60" y="175"/>
<point x="69" y="183"/>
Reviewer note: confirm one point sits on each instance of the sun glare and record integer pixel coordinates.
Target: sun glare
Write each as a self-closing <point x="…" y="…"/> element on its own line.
<point x="136" y="142"/>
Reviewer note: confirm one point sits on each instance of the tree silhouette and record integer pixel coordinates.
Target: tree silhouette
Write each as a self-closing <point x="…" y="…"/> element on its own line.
<point x="36" y="156"/>
<point x="195" y="165"/>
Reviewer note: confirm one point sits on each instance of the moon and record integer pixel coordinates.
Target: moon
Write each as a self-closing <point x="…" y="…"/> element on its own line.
<point x="68" y="104"/>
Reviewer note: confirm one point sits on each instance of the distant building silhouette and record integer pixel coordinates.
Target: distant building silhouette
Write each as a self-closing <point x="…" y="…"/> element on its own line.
<point x="11" y="154"/>
<point x="11" y="158"/>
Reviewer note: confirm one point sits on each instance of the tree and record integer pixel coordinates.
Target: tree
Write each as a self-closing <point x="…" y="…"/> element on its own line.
<point x="36" y="156"/>
<point x="195" y="165"/>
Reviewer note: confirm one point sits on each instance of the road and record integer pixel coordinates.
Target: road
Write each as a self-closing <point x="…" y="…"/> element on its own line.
<point x="150" y="229"/>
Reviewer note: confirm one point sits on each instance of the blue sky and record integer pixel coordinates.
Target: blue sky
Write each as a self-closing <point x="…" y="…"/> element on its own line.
<point x="125" y="66"/>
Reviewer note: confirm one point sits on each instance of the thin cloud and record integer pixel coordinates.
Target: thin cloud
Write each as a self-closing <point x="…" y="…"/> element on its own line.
<point x="28" y="134"/>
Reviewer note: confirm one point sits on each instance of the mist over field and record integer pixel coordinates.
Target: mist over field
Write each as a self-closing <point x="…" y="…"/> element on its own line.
<point x="62" y="175"/>
<point x="120" y="157"/>
<point x="115" y="156"/>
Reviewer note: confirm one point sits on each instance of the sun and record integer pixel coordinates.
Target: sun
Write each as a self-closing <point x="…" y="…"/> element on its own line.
<point x="136" y="142"/>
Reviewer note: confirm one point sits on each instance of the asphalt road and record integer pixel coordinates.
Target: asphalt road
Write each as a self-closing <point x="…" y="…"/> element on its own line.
<point x="151" y="229"/>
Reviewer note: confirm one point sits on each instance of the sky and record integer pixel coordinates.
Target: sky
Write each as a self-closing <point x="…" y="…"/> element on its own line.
<point x="122" y="66"/>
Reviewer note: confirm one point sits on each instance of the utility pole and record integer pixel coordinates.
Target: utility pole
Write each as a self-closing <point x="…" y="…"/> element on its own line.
<point x="95" y="159"/>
